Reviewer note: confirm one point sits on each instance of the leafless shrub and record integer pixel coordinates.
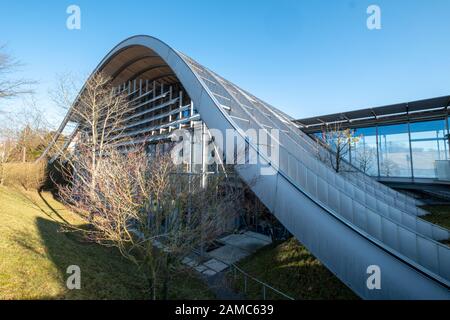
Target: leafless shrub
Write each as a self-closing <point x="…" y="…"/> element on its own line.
<point x="153" y="212"/>
<point x="150" y="209"/>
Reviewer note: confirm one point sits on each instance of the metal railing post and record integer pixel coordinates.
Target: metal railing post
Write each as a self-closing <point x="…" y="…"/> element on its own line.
<point x="245" y="283"/>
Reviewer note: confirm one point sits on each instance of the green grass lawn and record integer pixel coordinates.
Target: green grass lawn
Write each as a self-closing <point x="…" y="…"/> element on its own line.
<point x="440" y="215"/>
<point x="34" y="256"/>
<point x="290" y="268"/>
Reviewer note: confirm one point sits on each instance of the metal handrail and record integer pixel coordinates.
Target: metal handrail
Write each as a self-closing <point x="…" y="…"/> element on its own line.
<point x="263" y="284"/>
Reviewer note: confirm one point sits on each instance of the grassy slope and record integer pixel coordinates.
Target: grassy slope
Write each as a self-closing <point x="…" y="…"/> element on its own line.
<point x="290" y="268"/>
<point x="294" y="271"/>
<point x="440" y="215"/>
<point x="34" y="257"/>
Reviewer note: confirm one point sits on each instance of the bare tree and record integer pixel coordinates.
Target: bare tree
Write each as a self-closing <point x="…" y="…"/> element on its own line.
<point x="153" y="212"/>
<point x="365" y="158"/>
<point x="99" y="113"/>
<point x="11" y="87"/>
<point x="337" y="143"/>
<point x="30" y="130"/>
<point x="33" y="130"/>
<point x="22" y="139"/>
<point x="387" y="167"/>
<point x="8" y="143"/>
<point x="150" y="209"/>
<point x="65" y="92"/>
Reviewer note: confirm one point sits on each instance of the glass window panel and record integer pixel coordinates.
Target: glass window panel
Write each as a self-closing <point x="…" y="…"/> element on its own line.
<point x="364" y="151"/>
<point x="395" y="160"/>
<point x="428" y="144"/>
<point x="331" y="139"/>
<point x="427" y="129"/>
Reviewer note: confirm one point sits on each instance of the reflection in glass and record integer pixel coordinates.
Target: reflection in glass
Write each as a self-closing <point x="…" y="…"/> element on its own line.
<point x="428" y="144"/>
<point x="395" y="159"/>
<point x="364" y="151"/>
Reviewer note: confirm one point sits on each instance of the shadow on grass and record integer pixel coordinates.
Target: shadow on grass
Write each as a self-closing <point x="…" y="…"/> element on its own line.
<point x="105" y="274"/>
<point x="40" y="253"/>
<point x="290" y="268"/>
<point x="28" y="200"/>
<point x="50" y="207"/>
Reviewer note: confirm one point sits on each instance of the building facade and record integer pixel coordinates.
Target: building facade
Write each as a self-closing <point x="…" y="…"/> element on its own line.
<point x="403" y="142"/>
<point x="348" y="221"/>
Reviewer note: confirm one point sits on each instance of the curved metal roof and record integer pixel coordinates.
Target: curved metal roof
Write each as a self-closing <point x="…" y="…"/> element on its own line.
<point x="331" y="214"/>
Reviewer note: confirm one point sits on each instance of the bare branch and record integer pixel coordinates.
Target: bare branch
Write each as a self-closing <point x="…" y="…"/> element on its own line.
<point x="334" y="144"/>
<point x="10" y="87"/>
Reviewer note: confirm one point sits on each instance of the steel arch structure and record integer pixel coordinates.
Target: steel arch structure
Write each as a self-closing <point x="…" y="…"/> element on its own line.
<point x="349" y="222"/>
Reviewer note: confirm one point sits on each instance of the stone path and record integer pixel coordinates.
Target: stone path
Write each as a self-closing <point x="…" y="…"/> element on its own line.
<point x="234" y="247"/>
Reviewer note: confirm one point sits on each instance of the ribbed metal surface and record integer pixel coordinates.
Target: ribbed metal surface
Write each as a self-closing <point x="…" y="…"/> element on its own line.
<point x="348" y="221"/>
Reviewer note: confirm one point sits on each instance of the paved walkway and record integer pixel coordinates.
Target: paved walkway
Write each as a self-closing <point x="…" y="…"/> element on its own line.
<point x="233" y="248"/>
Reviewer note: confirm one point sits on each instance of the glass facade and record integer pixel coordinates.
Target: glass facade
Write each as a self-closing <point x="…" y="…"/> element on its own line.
<point x="405" y="150"/>
<point x="428" y="144"/>
<point x="393" y="151"/>
<point x="364" y="151"/>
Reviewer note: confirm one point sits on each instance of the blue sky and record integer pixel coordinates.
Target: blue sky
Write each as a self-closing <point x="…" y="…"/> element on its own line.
<point x="307" y="57"/>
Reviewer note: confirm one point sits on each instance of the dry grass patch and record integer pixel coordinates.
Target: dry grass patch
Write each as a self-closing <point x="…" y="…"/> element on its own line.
<point x="34" y="256"/>
<point x="28" y="175"/>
